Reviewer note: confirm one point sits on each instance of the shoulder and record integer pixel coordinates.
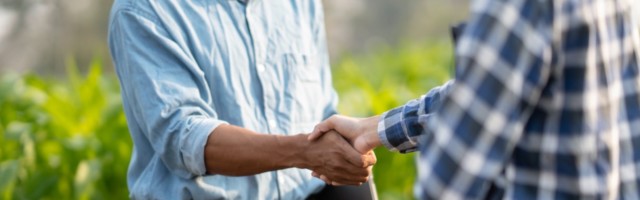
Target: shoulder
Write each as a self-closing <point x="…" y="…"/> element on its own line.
<point x="139" y="8"/>
<point x="310" y="6"/>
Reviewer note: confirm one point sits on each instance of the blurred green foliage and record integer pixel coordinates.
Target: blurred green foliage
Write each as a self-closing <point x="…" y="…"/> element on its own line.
<point x="63" y="139"/>
<point x="68" y="139"/>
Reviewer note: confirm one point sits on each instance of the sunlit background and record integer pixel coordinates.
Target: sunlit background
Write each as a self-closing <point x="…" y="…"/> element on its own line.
<point x="63" y="130"/>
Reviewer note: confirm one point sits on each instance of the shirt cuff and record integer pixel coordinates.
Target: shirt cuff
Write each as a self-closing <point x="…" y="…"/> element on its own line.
<point x="194" y="141"/>
<point x="396" y="128"/>
<point x="400" y="128"/>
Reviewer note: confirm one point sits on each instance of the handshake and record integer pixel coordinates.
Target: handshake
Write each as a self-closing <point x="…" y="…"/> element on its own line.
<point x="347" y="156"/>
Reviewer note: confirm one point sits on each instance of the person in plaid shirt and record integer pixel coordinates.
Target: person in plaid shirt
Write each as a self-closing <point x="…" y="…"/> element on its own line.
<point x="546" y="106"/>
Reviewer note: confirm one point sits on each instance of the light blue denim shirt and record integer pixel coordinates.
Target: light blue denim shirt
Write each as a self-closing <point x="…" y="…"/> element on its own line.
<point x="187" y="66"/>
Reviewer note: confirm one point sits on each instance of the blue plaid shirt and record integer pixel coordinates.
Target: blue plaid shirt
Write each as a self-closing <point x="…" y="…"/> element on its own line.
<point x="547" y="106"/>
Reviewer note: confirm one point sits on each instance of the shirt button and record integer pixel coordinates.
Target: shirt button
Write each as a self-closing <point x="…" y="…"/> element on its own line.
<point x="272" y="123"/>
<point x="260" y="68"/>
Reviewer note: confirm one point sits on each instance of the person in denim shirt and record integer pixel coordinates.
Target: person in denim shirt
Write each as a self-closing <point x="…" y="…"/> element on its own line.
<point x="216" y="93"/>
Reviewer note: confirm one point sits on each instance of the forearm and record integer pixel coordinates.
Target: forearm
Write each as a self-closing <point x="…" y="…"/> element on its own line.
<point x="236" y="151"/>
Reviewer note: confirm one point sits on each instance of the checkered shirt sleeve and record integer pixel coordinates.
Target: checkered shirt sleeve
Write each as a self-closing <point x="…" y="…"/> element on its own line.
<point x="401" y="127"/>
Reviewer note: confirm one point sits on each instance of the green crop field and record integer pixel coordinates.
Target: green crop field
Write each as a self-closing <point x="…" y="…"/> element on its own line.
<point x="66" y="138"/>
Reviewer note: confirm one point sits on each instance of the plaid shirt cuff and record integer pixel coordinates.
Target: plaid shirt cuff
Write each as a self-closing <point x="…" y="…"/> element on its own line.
<point x="400" y="128"/>
<point x="397" y="127"/>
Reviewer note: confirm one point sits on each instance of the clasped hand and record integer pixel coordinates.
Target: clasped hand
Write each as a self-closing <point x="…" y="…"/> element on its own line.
<point x="361" y="133"/>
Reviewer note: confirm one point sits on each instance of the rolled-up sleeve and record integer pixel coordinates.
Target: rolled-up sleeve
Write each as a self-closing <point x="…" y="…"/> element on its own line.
<point x="164" y="91"/>
<point x="400" y="128"/>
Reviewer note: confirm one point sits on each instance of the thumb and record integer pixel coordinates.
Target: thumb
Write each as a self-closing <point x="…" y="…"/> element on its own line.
<point x="320" y="129"/>
<point x="369" y="159"/>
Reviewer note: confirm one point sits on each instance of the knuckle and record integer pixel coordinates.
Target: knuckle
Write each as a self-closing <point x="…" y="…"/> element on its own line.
<point x="334" y="117"/>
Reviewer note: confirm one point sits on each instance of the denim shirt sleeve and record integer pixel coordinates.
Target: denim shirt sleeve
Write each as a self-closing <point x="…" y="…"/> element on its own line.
<point x="400" y="128"/>
<point x="164" y="92"/>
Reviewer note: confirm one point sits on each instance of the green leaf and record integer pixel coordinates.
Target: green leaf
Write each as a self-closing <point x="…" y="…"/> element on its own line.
<point x="16" y="129"/>
<point x="8" y="174"/>
<point x="86" y="175"/>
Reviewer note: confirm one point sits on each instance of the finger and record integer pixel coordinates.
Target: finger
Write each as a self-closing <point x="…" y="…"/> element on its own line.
<point x="359" y="175"/>
<point x="346" y="174"/>
<point x="351" y="179"/>
<point x="369" y="159"/>
<point x="350" y="154"/>
<point x="355" y="158"/>
<point x="347" y="152"/>
<point x="350" y="175"/>
<point x="315" y="134"/>
<point x="354" y="183"/>
<point x="347" y="182"/>
<point x="321" y="128"/>
<point x="334" y="183"/>
<point x="325" y="179"/>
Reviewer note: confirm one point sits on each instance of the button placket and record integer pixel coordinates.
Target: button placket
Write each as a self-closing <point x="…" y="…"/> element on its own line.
<point x="257" y="33"/>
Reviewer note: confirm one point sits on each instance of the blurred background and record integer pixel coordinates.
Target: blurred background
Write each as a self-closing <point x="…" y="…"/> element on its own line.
<point x="63" y="131"/>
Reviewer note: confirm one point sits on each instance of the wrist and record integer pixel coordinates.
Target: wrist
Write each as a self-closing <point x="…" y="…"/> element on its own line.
<point x="297" y="145"/>
<point x="370" y="130"/>
<point x="373" y="140"/>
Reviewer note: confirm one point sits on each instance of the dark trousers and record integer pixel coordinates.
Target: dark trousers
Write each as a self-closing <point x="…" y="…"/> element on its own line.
<point x="366" y="191"/>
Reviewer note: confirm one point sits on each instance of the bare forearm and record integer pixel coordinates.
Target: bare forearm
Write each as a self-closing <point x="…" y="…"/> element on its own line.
<point x="236" y="151"/>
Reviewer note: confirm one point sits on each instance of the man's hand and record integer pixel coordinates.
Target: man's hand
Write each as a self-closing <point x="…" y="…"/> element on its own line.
<point x="333" y="157"/>
<point x="362" y="133"/>
<point x="254" y="153"/>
